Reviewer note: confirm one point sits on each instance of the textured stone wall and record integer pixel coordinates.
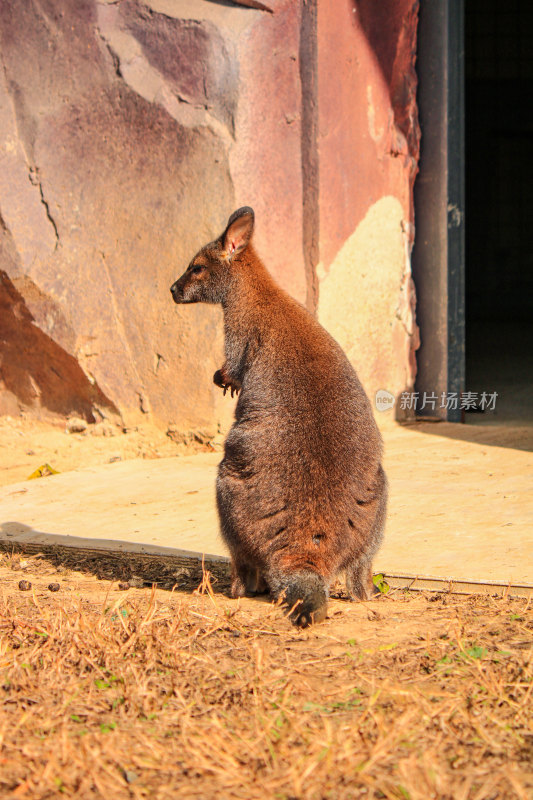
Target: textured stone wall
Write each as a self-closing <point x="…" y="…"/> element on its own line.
<point x="130" y="130"/>
<point x="368" y="146"/>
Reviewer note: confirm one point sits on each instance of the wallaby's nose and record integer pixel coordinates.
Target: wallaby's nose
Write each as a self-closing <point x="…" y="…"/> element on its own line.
<point x="174" y="289"/>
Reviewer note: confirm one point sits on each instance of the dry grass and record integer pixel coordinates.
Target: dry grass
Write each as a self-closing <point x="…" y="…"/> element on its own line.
<point x="146" y="693"/>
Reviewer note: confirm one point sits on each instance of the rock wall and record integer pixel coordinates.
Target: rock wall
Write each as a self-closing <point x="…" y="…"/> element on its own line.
<point x="368" y="154"/>
<point x="130" y="130"/>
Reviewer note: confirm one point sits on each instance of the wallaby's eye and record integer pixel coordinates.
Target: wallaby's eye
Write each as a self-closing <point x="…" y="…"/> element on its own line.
<point x="197" y="269"/>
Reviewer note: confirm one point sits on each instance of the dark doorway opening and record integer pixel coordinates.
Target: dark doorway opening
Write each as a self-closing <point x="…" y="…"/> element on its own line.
<point x="499" y="206"/>
<point x="473" y="271"/>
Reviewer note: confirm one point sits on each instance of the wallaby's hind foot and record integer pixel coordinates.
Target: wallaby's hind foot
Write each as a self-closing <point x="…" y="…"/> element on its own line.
<point x="359" y="580"/>
<point x="246" y="581"/>
<point x="304" y="595"/>
<point x="255" y="583"/>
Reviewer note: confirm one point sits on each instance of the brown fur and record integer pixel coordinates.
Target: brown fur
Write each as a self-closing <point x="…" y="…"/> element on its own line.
<point x="301" y="491"/>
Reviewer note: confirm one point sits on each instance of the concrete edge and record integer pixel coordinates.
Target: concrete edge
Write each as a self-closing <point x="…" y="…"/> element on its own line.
<point x="220" y="565"/>
<point x="34" y="541"/>
<point x="425" y="583"/>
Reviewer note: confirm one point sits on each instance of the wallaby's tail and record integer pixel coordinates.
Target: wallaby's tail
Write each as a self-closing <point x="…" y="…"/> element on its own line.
<point x="305" y="595"/>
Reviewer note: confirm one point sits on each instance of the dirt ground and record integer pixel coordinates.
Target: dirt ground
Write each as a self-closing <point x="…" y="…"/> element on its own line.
<point x="112" y="688"/>
<point x="134" y="693"/>
<point x="27" y="444"/>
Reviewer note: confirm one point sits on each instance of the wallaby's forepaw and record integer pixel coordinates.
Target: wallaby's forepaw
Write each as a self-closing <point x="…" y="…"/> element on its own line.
<point x="221" y="379"/>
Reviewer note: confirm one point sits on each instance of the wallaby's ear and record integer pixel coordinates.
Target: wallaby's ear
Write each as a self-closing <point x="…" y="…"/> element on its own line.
<point x="238" y="231"/>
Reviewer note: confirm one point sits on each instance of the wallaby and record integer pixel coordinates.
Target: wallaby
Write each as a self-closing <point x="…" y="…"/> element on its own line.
<point x="301" y="492"/>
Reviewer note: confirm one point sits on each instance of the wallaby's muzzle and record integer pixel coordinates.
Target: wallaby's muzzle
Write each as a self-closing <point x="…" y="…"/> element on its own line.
<point x="176" y="290"/>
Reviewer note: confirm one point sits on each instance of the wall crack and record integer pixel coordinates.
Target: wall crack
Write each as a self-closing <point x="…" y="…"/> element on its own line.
<point x="46" y="206"/>
<point x="26" y="148"/>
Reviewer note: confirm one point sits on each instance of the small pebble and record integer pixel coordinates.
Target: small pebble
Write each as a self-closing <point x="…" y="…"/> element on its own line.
<point x="130" y="776"/>
<point x="54" y="587"/>
<point x="123" y="586"/>
<point x="24" y="586"/>
<point x="76" y="425"/>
